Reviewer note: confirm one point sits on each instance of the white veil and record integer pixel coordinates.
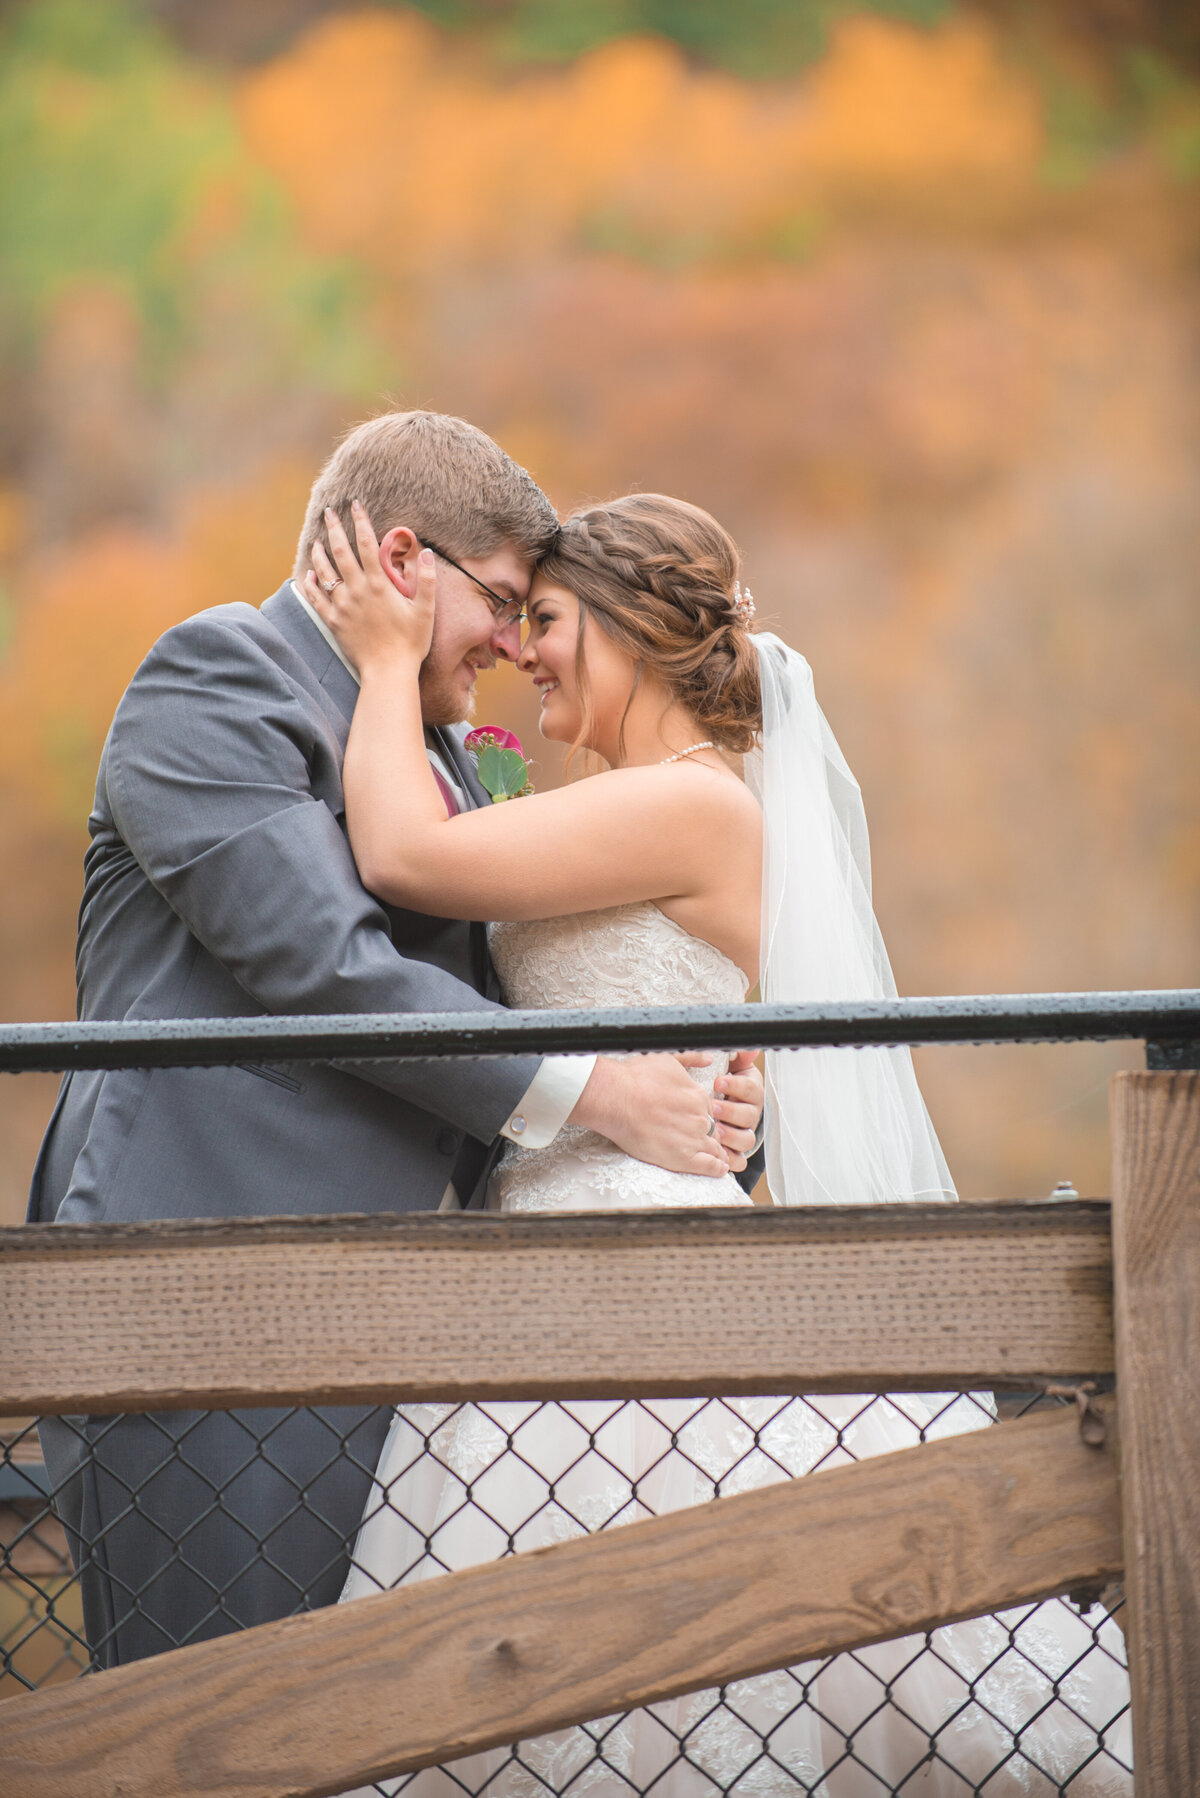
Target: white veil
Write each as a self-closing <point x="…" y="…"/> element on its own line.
<point x="844" y="1126"/>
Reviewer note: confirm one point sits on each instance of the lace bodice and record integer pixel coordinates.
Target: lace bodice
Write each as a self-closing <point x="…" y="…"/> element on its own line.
<point x="628" y="955"/>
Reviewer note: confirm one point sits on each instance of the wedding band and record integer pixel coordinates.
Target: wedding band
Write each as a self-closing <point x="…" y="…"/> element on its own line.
<point x="330" y="585"/>
<point x="712" y="1126"/>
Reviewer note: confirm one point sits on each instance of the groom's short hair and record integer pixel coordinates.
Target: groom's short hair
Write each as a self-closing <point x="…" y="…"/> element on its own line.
<point x="444" y="478"/>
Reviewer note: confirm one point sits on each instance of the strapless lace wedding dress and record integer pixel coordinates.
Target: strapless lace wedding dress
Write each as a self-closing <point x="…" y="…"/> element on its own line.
<point x="632" y="955"/>
<point x="1030" y="1703"/>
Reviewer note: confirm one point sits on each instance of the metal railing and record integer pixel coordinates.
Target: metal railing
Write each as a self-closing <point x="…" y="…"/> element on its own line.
<point x="1168" y="1020"/>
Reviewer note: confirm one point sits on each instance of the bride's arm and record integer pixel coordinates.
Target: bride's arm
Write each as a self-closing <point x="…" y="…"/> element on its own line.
<point x="639" y="833"/>
<point x="635" y="833"/>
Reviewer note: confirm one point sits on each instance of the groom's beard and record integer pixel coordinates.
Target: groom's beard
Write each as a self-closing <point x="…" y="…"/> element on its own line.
<point x="442" y="698"/>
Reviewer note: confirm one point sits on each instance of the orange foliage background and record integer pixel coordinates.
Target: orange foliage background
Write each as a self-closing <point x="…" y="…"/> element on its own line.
<point x="931" y="357"/>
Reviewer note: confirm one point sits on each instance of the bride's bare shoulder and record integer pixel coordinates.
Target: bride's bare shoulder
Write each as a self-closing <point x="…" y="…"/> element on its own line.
<point x="684" y="792"/>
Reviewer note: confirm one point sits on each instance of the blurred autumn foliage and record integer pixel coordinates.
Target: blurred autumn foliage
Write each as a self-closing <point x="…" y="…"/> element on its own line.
<point x="906" y="294"/>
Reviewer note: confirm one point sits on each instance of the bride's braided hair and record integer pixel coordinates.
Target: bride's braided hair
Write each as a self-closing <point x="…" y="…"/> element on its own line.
<point x="660" y="578"/>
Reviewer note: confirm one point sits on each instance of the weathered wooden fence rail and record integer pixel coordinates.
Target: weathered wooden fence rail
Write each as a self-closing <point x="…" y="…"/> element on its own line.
<point x="378" y="1310"/>
<point x="858" y="1299"/>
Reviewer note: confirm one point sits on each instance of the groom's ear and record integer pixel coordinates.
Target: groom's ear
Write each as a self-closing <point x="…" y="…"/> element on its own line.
<point x="398" y="552"/>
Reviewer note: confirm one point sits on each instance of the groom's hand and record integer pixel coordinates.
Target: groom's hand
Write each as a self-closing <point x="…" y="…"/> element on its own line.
<point x="651" y="1108"/>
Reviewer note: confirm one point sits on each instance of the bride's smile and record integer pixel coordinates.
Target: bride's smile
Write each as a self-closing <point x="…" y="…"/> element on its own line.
<point x="553" y="654"/>
<point x="594" y="694"/>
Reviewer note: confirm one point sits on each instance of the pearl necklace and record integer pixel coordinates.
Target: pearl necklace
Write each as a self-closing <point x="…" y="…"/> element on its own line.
<point x="691" y="751"/>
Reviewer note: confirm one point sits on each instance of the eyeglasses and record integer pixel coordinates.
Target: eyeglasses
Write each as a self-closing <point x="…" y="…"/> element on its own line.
<point x="505" y="611"/>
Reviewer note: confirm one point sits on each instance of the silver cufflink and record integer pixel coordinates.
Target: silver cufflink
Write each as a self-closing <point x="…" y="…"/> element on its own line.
<point x="517" y="1126"/>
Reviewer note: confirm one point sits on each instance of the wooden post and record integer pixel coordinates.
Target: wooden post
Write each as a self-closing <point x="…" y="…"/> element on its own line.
<point x="1156" y="1267"/>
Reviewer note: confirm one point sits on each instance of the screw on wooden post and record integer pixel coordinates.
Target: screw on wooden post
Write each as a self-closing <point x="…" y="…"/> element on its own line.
<point x="1156" y="1266"/>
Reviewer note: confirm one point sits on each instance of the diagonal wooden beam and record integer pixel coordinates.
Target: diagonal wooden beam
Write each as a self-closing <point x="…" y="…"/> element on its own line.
<point x="326" y="1701"/>
<point x="372" y="1310"/>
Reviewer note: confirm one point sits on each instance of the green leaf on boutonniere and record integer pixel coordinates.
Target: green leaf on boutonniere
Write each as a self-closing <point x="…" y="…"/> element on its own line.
<point x="503" y="773"/>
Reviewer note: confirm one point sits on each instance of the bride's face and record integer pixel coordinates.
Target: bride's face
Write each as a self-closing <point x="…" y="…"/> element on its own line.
<point x="548" y="656"/>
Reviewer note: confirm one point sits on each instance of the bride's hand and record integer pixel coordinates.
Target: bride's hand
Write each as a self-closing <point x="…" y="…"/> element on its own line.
<point x="737" y="1105"/>
<point x="372" y="619"/>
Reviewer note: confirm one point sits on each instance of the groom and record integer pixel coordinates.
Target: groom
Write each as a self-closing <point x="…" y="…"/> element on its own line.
<point x="219" y="883"/>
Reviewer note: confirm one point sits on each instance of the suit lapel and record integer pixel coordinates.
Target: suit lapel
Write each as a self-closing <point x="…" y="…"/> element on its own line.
<point x="448" y="741"/>
<point x="287" y="615"/>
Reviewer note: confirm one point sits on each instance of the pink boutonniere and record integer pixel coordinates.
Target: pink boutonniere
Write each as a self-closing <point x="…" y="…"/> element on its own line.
<point x="500" y="762"/>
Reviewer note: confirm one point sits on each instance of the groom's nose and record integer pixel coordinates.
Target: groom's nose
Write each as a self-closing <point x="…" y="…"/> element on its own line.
<point x="506" y="642"/>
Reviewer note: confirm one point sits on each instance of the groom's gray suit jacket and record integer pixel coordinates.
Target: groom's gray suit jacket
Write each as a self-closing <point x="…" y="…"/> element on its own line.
<point x="219" y="883"/>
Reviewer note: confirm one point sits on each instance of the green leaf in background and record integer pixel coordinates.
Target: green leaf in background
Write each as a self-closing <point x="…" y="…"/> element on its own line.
<point x="1096" y="107"/>
<point x="755" y="38"/>
<point x="121" y="162"/>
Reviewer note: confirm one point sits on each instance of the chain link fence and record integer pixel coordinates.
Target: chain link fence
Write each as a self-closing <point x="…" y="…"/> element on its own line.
<point x="1034" y="1701"/>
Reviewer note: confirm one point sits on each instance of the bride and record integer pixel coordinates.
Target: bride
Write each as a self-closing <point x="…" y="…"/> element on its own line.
<point x="639" y="886"/>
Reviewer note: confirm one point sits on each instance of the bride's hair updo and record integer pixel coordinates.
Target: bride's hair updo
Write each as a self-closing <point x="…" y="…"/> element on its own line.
<point x="660" y="577"/>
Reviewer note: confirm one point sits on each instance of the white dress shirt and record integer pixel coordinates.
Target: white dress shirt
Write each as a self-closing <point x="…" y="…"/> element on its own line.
<point x="552" y="1094"/>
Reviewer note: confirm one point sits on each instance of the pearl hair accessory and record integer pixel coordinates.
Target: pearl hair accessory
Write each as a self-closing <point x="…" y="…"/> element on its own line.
<point x="743" y="602"/>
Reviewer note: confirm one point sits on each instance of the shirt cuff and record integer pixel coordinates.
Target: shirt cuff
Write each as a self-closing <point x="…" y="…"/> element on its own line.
<point x="549" y="1100"/>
